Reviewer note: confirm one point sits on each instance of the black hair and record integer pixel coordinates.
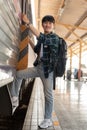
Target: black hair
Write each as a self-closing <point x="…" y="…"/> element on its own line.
<point x="49" y="18"/>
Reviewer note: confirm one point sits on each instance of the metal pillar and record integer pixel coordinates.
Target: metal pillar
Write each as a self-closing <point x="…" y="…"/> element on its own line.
<point x="80" y="56"/>
<point x="71" y="60"/>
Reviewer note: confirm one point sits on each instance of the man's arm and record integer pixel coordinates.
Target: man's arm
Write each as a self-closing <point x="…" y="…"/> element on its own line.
<point x="31" y="27"/>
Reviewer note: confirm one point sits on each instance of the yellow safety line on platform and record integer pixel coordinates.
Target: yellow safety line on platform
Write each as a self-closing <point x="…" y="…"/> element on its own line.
<point x="55" y="121"/>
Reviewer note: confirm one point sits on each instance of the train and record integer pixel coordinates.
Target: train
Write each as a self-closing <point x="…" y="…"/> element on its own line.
<point x="14" y="49"/>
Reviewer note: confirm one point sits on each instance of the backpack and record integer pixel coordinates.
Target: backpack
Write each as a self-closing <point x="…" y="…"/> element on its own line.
<point x="60" y="63"/>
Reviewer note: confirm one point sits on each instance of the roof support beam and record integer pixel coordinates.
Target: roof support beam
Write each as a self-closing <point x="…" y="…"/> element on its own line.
<point x="76" y="35"/>
<point x="73" y="53"/>
<point x="70" y="40"/>
<point x="73" y="26"/>
<point x="77" y="40"/>
<point x="82" y="18"/>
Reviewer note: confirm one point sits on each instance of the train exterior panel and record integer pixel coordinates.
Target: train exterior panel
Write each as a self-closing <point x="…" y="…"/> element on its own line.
<point x="9" y="36"/>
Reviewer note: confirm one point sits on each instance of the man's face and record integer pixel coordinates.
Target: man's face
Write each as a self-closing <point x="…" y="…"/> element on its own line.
<point x="48" y="27"/>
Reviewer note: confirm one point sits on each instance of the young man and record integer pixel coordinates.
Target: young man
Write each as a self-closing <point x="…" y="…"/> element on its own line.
<point x="46" y="50"/>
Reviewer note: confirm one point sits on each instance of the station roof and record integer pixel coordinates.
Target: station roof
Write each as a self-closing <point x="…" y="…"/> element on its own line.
<point x="71" y="21"/>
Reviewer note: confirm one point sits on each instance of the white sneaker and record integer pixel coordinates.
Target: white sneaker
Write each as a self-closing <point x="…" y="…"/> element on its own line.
<point x="45" y="123"/>
<point x="15" y="101"/>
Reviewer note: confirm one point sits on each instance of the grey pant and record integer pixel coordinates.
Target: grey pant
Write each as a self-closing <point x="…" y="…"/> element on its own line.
<point x="33" y="72"/>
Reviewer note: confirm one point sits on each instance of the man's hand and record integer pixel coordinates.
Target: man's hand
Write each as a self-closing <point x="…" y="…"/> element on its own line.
<point x="25" y="19"/>
<point x="31" y="27"/>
